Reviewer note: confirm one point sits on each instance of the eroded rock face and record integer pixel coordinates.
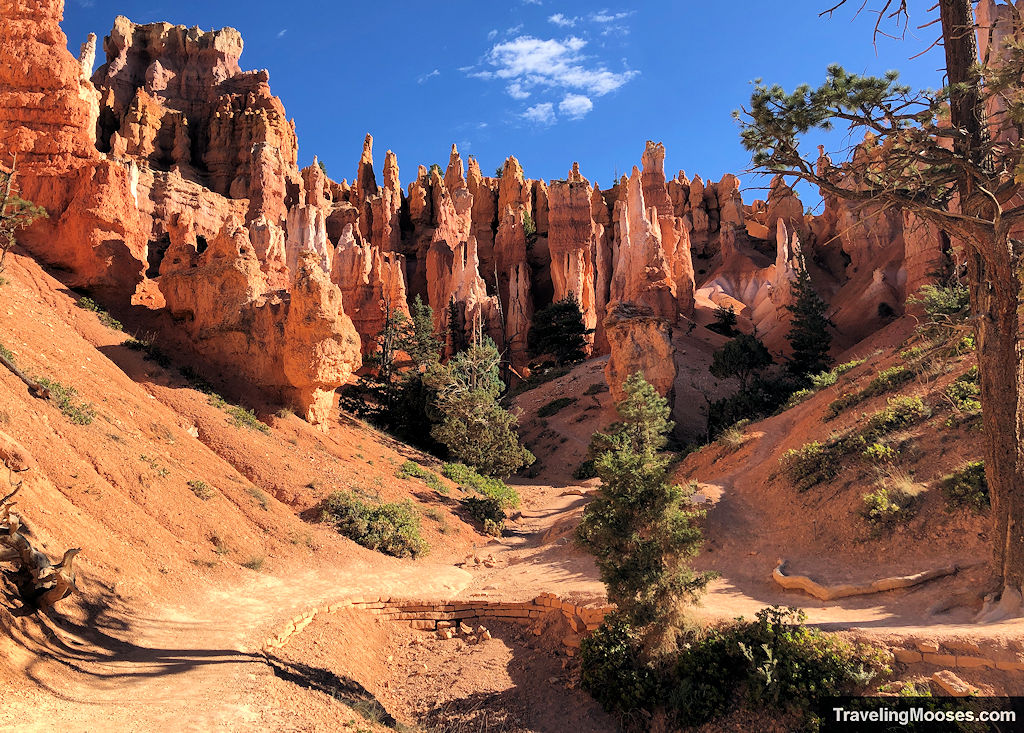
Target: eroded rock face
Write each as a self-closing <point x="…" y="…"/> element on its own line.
<point x="48" y="112"/>
<point x="640" y="341"/>
<point x="297" y="342"/>
<point x="177" y="97"/>
<point x="174" y="163"/>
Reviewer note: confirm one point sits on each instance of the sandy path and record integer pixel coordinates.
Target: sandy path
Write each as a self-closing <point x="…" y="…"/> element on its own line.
<point x="197" y="666"/>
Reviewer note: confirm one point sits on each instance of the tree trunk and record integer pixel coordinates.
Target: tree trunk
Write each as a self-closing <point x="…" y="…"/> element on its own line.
<point x="997" y="291"/>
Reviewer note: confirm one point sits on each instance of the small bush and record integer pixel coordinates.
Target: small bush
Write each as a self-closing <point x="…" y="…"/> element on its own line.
<point x="847" y="366"/>
<point x="219" y="545"/>
<point x="555" y="406"/>
<point x="86" y="303"/>
<point x="773" y="662"/>
<point x="66" y="399"/>
<point x="813" y="463"/>
<point x="964" y="394"/>
<point x="149" y="350"/>
<point x="611" y="668"/>
<point x="798" y="397"/>
<point x="596" y="388"/>
<point x="880" y="453"/>
<point x="824" y="379"/>
<point x="393" y="529"/>
<point x="410" y="469"/>
<point x="201" y="489"/>
<point x="586" y="470"/>
<point x="262" y="499"/>
<point x="254" y="563"/>
<point x="243" y="418"/>
<point x="901" y="412"/>
<point x="733" y="438"/>
<point x="967" y="488"/>
<point x="495" y="501"/>
<point x="886" y="381"/>
<point x="944" y="305"/>
<point x="887" y="507"/>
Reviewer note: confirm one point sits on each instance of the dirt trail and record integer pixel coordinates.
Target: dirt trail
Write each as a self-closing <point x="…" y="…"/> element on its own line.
<point x="197" y="666"/>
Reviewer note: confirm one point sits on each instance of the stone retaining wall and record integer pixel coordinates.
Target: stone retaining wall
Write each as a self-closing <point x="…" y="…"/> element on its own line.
<point x="431" y="616"/>
<point x="434" y="615"/>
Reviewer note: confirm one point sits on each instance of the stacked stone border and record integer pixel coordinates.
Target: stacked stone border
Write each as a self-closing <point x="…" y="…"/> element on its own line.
<point x="930" y="652"/>
<point x="433" y="615"/>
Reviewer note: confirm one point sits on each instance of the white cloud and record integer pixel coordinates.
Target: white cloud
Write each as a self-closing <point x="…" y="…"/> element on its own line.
<point x="280" y="33"/>
<point x="541" y="114"/>
<point x="533" y="62"/>
<point x="533" y="2"/>
<point x="575" y="106"/>
<point x="516" y="91"/>
<point x="427" y="77"/>
<point x="560" y="20"/>
<point x="493" y="34"/>
<point x="606" y="17"/>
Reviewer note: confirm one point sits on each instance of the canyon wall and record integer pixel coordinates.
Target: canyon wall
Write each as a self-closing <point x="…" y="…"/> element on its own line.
<point x="172" y="166"/>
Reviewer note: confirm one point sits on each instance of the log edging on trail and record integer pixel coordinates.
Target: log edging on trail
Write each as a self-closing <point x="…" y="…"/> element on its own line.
<point x="832" y="592"/>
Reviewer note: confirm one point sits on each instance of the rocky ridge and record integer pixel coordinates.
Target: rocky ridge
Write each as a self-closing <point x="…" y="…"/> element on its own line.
<point x="171" y="165"/>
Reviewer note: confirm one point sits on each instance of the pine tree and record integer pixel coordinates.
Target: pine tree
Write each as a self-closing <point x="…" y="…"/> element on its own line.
<point x="809" y="334"/>
<point x="474" y="427"/>
<point x="642" y="528"/>
<point x="742" y="357"/>
<point x="558" y="330"/>
<point x="419" y="341"/>
<point x="15" y="212"/>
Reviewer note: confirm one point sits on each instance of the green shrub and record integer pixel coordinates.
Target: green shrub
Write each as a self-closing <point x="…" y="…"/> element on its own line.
<point x="243" y="418"/>
<point x="596" y="388"/>
<point x="886" y="381"/>
<point x="967" y="488"/>
<point x="762" y="397"/>
<point x="66" y="399"/>
<point x="944" y="305"/>
<point x="848" y="365"/>
<point x="585" y="470"/>
<point x="901" y="412"/>
<point x="393" y="529"/>
<point x="813" y="463"/>
<point x="201" y="489"/>
<point x="409" y="469"/>
<point x="555" y="406"/>
<point x="611" y="669"/>
<point x="86" y="303"/>
<point x="774" y="662"/>
<point x="887" y="507"/>
<point x="529" y="227"/>
<point x="880" y="453"/>
<point x="824" y="379"/>
<point x="964" y="394"/>
<point x="798" y="397"/>
<point x="495" y="500"/>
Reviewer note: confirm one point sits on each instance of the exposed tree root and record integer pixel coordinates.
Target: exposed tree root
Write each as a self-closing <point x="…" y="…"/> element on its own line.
<point x="830" y="593"/>
<point x="39" y="583"/>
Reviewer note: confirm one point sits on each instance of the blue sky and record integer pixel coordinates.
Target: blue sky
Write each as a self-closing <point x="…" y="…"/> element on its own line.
<point x="549" y="81"/>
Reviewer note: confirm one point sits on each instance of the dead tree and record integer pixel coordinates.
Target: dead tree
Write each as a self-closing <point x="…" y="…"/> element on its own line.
<point x="38" y="582"/>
